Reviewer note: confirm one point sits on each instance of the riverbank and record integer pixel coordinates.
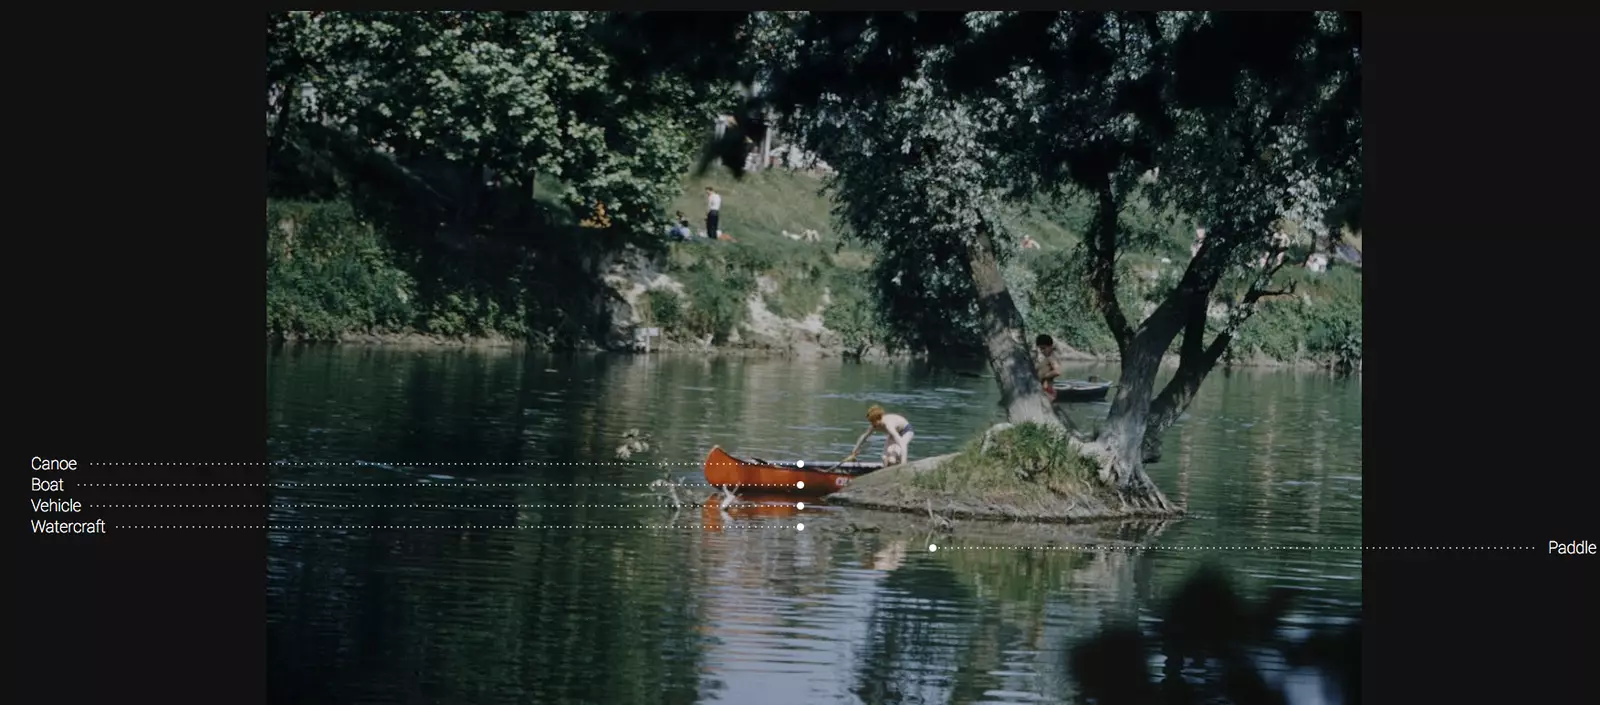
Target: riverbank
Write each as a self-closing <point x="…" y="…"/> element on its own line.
<point x="1021" y="473"/>
<point x="501" y="343"/>
<point x="786" y="285"/>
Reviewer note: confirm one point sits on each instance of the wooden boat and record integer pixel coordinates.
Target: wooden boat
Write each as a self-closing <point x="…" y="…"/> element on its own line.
<point x="1074" y="390"/>
<point x="768" y="477"/>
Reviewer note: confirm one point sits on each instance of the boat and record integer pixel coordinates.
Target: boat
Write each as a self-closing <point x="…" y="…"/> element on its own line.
<point x="1075" y="390"/>
<point x="712" y="513"/>
<point x="769" y="477"/>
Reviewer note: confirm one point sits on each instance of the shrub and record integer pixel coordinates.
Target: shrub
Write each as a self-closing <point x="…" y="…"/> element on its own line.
<point x="329" y="273"/>
<point x="665" y="309"/>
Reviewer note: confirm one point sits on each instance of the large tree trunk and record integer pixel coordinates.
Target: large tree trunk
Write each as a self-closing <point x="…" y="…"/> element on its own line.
<point x="280" y="129"/>
<point x="1122" y="437"/>
<point x="1196" y="359"/>
<point x="1021" y="393"/>
<point x="1194" y="363"/>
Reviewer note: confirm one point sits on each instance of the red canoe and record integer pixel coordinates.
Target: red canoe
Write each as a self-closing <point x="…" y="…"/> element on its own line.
<point x="784" y="478"/>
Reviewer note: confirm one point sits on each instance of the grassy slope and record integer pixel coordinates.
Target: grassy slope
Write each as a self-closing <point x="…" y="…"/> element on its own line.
<point x="758" y="209"/>
<point x="354" y="283"/>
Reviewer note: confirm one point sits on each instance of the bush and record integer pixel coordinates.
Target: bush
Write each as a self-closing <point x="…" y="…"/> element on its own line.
<point x="717" y="300"/>
<point x="851" y="313"/>
<point x="800" y="286"/>
<point x="1334" y="331"/>
<point x="1025" y="459"/>
<point x="1322" y="322"/>
<point x="1062" y="305"/>
<point x="329" y="274"/>
<point x="665" y="309"/>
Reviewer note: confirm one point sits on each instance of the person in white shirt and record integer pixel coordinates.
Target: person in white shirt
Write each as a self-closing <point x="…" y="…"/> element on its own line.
<point x="713" y="210"/>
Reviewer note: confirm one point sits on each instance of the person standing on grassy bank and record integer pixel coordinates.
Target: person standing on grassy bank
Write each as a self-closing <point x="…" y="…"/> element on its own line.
<point x="713" y="211"/>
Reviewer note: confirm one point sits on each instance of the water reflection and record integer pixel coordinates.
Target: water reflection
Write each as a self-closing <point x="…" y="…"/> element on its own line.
<point x="749" y="609"/>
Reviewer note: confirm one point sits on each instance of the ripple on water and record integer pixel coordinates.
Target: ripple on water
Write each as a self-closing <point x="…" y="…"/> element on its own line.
<point x="635" y="616"/>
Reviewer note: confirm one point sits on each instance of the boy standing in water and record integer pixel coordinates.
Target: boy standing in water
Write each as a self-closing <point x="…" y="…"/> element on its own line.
<point x="898" y="447"/>
<point x="1045" y="361"/>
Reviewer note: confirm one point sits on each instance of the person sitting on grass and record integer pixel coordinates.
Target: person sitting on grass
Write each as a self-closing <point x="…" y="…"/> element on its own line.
<point x="897" y="449"/>
<point x="680" y="229"/>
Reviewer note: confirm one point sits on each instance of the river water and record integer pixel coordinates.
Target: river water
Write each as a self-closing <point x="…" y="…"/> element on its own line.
<point x="386" y="586"/>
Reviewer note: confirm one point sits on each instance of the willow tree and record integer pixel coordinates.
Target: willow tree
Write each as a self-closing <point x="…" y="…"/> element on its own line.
<point x="1249" y="120"/>
<point x="912" y="179"/>
<point x="452" y="108"/>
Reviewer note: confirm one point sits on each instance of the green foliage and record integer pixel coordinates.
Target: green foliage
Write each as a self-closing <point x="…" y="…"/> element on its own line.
<point x="338" y="275"/>
<point x="438" y="125"/>
<point x="505" y="94"/>
<point x="718" y="299"/>
<point x="913" y="184"/>
<point x="665" y="309"/>
<point x="1062" y="305"/>
<point x="852" y="314"/>
<point x="1026" y="459"/>
<point x="1322" y="323"/>
<point x="329" y="274"/>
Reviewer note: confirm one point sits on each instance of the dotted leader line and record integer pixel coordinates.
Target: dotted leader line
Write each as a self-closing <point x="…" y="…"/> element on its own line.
<point x="413" y="484"/>
<point x="376" y="506"/>
<point x="361" y="463"/>
<point x="935" y="547"/>
<point x="462" y="526"/>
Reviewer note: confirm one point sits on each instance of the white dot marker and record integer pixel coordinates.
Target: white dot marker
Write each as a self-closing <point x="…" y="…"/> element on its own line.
<point x="933" y="548"/>
<point x="800" y="485"/>
<point x="800" y="463"/>
<point x="800" y="506"/>
<point x="799" y="527"/>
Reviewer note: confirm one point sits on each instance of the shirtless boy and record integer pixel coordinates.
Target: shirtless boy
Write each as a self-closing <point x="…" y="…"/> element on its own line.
<point x="898" y="447"/>
<point x="1045" y="361"/>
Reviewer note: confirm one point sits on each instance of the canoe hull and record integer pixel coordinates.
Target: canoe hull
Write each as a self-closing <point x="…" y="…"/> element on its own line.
<point x="1069" y="391"/>
<point x="770" y="478"/>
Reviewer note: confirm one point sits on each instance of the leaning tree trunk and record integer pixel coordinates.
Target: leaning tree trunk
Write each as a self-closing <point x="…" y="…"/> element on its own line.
<point x="1121" y="439"/>
<point x="1021" y="393"/>
<point x="1196" y="359"/>
<point x="1122" y="436"/>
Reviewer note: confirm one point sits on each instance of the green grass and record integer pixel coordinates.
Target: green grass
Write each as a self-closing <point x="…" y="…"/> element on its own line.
<point x="756" y="211"/>
<point x="1027" y="462"/>
<point x="758" y="208"/>
<point x="338" y="274"/>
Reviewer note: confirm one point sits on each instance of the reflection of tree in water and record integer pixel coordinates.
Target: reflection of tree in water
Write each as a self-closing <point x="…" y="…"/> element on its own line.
<point x="998" y="616"/>
<point x="482" y="616"/>
<point x="1212" y="643"/>
<point x="976" y="629"/>
<point x="1263" y="460"/>
<point x="909" y="655"/>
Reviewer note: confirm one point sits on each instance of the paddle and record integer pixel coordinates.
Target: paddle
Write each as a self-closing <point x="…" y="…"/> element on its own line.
<point x="835" y="466"/>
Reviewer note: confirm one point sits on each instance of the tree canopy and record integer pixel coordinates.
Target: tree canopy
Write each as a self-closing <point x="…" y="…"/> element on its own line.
<point x="1246" y="125"/>
<point x="448" y="101"/>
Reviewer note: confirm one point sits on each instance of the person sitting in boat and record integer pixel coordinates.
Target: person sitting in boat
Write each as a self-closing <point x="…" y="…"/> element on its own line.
<point x="898" y="447"/>
<point x="1045" y="362"/>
